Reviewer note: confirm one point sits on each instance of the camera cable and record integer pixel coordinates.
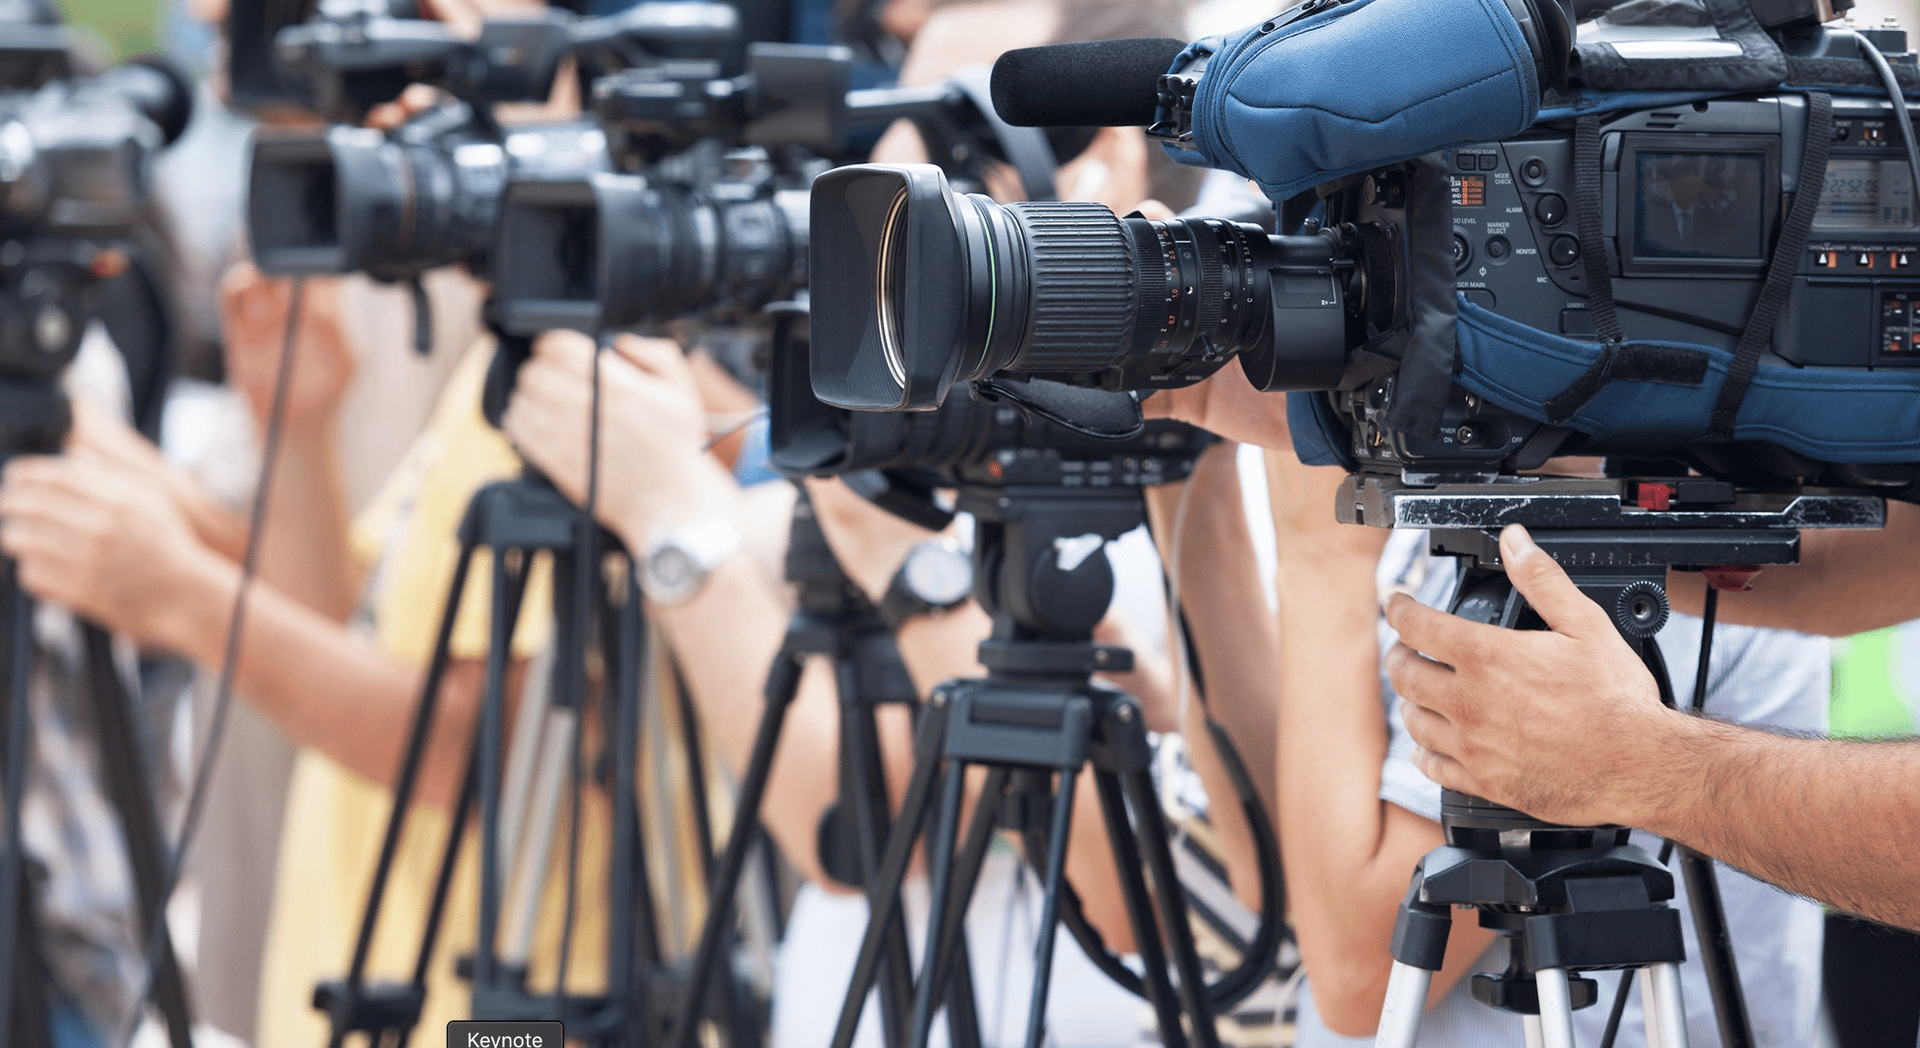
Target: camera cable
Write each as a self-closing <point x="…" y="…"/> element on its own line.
<point x="229" y="658"/>
<point x="585" y="561"/>
<point x="1699" y="700"/>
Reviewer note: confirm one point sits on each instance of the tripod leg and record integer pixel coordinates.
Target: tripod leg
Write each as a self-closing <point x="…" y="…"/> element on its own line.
<point x="1062" y="819"/>
<point x="783" y="682"/>
<point x="13" y="867"/>
<point x="940" y="861"/>
<point x="417" y="733"/>
<point x="1716" y="949"/>
<point x="1536" y="1038"/>
<point x="492" y="728"/>
<point x="1660" y="1000"/>
<point x="863" y="789"/>
<point x="1158" y="852"/>
<point x="883" y="895"/>
<point x="952" y="968"/>
<point x="1556" y="1007"/>
<point x="124" y="764"/>
<point x="1407" y="1001"/>
<point x="1133" y="889"/>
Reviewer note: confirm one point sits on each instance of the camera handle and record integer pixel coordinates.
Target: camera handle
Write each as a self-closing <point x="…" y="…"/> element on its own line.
<point x="833" y="619"/>
<point x="1038" y="715"/>
<point x="1572" y="899"/>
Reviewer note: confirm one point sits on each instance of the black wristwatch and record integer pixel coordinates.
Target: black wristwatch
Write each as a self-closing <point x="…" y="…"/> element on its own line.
<point x="936" y="576"/>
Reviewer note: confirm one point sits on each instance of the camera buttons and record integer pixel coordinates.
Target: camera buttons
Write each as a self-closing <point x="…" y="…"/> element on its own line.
<point x="1462" y="253"/>
<point x="1499" y="249"/>
<point x="1550" y="209"/>
<point x="1564" y="251"/>
<point x="1533" y="171"/>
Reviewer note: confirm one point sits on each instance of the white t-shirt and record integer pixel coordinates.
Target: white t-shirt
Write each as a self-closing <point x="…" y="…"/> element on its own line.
<point x="1757" y="676"/>
<point x="815" y="964"/>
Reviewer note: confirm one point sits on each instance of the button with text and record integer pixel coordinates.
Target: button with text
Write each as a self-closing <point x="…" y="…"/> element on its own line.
<point x="488" y="1034"/>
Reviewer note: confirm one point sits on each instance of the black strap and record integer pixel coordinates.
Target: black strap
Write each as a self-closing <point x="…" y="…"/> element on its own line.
<point x="1628" y="362"/>
<point x="1593" y="248"/>
<point x="1786" y="257"/>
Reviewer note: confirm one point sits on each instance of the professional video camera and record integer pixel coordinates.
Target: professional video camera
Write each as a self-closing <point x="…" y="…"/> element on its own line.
<point x="705" y="211"/>
<point x="427" y="194"/>
<point x="1664" y="224"/>
<point x="75" y="159"/>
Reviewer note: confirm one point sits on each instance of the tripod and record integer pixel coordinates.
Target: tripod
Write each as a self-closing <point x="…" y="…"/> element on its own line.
<point x="1578" y="899"/>
<point x="516" y="520"/>
<point x="37" y="417"/>
<point x="1038" y="716"/>
<point x="833" y="619"/>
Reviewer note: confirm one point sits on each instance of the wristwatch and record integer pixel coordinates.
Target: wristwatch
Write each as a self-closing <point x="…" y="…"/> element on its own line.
<point x="675" y="563"/>
<point x="936" y="576"/>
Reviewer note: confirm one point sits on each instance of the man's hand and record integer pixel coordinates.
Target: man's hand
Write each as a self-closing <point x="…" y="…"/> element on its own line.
<point x="108" y="543"/>
<point x="654" y="469"/>
<point x="1564" y="724"/>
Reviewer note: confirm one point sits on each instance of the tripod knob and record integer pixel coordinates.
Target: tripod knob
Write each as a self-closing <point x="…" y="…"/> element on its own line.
<point x="1641" y="608"/>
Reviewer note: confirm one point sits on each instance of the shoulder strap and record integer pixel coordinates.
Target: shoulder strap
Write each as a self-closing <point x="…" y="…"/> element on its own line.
<point x="1786" y="256"/>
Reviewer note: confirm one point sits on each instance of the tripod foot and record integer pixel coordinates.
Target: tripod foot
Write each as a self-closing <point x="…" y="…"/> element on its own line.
<point x="1406" y="1002"/>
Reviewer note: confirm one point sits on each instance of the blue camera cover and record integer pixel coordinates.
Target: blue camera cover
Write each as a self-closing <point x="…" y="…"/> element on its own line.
<point x="1295" y="103"/>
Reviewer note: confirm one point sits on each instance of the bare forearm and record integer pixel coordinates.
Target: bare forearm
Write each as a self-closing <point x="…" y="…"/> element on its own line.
<point x="1840" y="587"/>
<point x="1831" y="820"/>
<point x="326" y="687"/>
<point x="304" y="551"/>
<point x="1348" y="855"/>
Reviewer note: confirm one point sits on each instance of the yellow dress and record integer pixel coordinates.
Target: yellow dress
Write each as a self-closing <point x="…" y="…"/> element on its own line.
<point x="335" y="819"/>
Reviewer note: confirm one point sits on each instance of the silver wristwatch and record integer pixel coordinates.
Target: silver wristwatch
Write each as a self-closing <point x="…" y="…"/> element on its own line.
<point x="675" y="563"/>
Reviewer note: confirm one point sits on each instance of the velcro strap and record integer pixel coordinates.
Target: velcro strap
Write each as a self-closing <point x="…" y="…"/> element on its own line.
<point x="1593" y="247"/>
<point x="1628" y="362"/>
<point x="1786" y="257"/>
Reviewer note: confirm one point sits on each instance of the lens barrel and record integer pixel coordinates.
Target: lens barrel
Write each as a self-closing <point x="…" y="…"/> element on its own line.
<point x="613" y="251"/>
<point x="917" y="288"/>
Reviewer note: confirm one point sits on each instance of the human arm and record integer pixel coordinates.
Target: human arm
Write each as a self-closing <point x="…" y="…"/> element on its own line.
<point x="304" y="549"/>
<point x="1566" y="725"/>
<point x="1348" y="855"/>
<point x="655" y="475"/>
<point x="1232" y="631"/>
<point x="112" y="546"/>
<point x="100" y="436"/>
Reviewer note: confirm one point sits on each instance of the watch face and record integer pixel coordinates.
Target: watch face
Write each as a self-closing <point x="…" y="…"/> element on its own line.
<point x="672" y="570"/>
<point x="939" y="575"/>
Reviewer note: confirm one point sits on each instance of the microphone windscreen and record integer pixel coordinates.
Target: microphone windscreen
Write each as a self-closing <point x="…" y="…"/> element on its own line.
<point x="1100" y="83"/>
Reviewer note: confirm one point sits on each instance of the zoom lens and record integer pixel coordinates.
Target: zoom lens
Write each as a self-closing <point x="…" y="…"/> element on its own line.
<point x="613" y="251"/>
<point x="917" y="288"/>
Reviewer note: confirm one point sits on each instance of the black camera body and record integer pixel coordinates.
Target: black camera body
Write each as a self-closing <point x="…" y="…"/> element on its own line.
<point x="1690" y="197"/>
<point x="396" y="204"/>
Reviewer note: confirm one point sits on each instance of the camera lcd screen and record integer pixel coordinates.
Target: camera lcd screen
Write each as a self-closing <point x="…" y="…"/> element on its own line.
<point x="1699" y="205"/>
<point x="1867" y="194"/>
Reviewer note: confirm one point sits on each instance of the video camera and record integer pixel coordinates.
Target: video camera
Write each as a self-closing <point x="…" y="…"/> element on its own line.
<point x="75" y="166"/>
<point x="1527" y="245"/>
<point x="706" y="209"/>
<point x="427" y="194"/>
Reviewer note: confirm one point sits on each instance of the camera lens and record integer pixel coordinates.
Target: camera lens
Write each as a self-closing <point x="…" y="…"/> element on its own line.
<point x="916" y="288"/>
<point x="890" y="294"/>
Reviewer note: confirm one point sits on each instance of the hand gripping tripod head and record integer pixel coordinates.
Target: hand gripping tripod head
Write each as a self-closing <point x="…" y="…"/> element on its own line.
<point x="1578" y="899"/>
